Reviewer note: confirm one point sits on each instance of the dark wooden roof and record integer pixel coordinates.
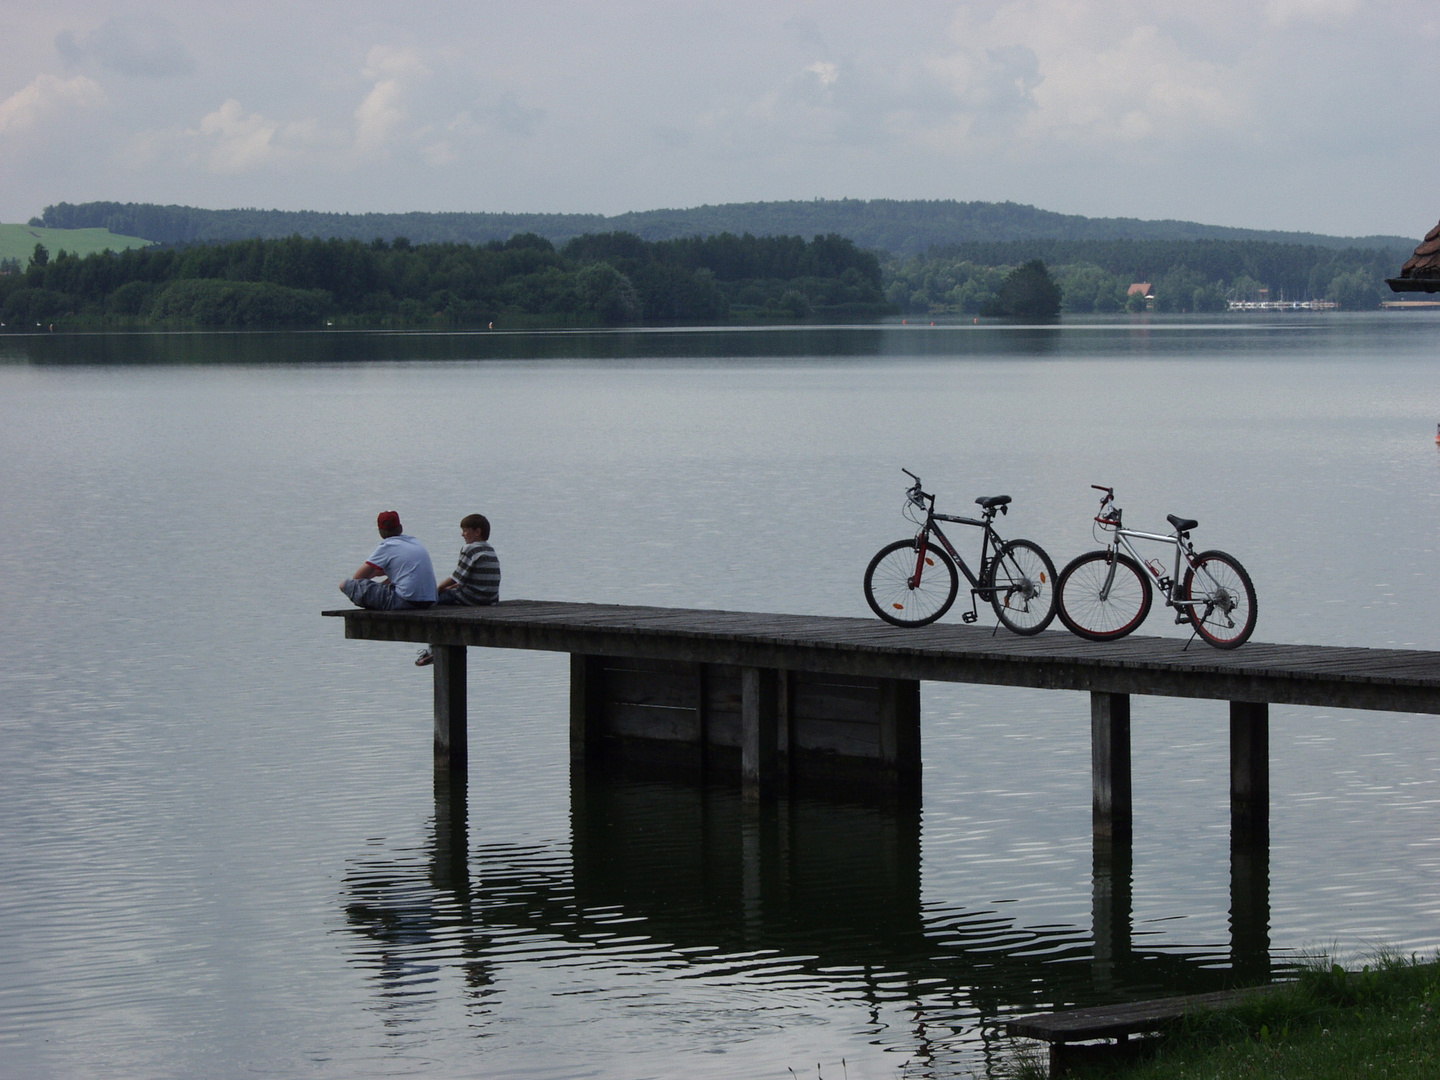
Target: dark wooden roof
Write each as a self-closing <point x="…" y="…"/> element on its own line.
<point x="1421" y="273"/>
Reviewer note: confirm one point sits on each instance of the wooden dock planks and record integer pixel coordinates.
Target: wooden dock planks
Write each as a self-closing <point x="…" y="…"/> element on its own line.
<point x="1341" y="677"/>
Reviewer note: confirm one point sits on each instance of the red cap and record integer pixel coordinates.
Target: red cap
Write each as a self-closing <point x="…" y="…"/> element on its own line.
<point x="388" y="519"/>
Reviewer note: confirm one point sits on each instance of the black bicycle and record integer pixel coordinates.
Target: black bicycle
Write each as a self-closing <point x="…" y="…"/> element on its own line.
<point x="913" y="582"/>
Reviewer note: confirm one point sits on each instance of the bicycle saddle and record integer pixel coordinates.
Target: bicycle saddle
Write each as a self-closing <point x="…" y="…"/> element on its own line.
<point x="1181" y="524"/>
<point x="987" y="501"/>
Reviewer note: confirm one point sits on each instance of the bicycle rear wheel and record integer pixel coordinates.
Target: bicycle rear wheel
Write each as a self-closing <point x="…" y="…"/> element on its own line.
<point x="1224" y="609"/>
<point x="1023" y="581"/>
<point x="1124" y="606"/>
<point x="895" y="594"/>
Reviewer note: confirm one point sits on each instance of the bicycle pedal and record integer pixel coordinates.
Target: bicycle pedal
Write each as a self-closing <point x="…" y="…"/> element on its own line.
<point x="969" y="616"/>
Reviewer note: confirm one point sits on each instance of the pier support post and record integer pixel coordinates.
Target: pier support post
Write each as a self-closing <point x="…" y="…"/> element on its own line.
<point x="451" y="737"/>
<point x="1110" y="766"/>
<point x="900" y="733"/>
<point x="759" y="700"/>
<point x="1250" y="770"/>
<point x="587" y="704"/>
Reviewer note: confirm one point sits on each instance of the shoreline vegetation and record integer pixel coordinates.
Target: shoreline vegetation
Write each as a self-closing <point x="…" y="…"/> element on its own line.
<point x="611" y="279"/>
<point x="619" y="280"/>
<point x="1330" y="1024"/>
<point x="1181" y="276"/>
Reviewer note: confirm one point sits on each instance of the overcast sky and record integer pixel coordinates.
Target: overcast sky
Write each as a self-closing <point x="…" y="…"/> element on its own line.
<point x="1282" y="114"/>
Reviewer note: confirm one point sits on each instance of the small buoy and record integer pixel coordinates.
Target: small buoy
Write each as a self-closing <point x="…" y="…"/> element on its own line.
<point x="904" y="322"/>
<point x="932" y="322"/>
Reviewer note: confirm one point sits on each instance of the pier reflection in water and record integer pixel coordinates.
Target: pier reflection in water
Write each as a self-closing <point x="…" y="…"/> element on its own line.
<point x="805" y="894"/>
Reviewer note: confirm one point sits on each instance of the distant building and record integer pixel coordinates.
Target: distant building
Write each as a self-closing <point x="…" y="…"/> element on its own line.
<point x="1142" y="290"/>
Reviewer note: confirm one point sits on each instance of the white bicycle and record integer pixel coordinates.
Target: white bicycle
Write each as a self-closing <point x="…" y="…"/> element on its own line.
<point x="1104" y="595"/>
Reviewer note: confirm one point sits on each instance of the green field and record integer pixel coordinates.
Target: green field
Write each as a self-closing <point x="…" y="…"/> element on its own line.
<point x="18" y="241"/>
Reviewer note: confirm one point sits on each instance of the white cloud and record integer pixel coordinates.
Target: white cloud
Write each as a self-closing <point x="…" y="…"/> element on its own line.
<point x="382" y="113"/>
<point x="235" y="141"/>
<point x="1085" y="72"/>
<point x="47" y="99"/>
<point x="826" y="72"/>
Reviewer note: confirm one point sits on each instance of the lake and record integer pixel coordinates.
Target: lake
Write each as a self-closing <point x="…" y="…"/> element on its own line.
<point x="223" y="849"/>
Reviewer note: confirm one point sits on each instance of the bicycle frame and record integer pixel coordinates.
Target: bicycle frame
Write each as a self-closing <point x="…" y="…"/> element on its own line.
<point x="1165" y="584"/>
<point x="1123" y="537"/>
<point x="990" y="540"/>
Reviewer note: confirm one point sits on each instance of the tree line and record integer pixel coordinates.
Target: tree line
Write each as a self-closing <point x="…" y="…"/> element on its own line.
<point x="1185" y="276"/>
<point x="608" y="279"/>
<point x="618" y="278"/>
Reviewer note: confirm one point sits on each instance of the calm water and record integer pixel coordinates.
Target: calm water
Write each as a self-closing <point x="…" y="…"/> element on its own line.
<point x="222" y="850"/>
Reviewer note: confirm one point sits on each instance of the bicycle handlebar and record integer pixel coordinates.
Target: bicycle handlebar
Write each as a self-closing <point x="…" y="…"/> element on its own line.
<point x="1112" y="517"/>
<point x="915" y="493"/>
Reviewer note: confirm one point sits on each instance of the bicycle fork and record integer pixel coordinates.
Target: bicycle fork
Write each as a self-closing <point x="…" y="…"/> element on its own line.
<point x="922" y="545"/>
<point x="1112" y="560"/>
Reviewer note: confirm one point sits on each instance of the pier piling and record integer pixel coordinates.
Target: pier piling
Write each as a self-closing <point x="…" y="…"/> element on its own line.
<point x="1111" y="813"/>
<point x="1250" y="769"/>
<point x="451" y="737"/>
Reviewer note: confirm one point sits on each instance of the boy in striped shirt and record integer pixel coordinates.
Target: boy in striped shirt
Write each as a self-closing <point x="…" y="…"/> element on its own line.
<point x="476" y="580"/>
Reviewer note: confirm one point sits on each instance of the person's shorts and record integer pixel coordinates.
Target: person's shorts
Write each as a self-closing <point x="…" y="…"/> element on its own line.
<point x="379" y="596"/>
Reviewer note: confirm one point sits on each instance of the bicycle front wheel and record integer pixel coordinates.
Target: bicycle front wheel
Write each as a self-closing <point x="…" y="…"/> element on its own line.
<point x="1221" y="600"/>
<point x="905" y="590"/>
<point x="1022" y="578"/>
<point x="1120" y="610"/>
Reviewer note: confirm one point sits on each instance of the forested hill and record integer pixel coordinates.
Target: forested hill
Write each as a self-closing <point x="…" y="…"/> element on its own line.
<point x="901" y="227"/>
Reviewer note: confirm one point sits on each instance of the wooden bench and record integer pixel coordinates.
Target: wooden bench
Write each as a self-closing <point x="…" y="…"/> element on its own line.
<point x="1067" y="1027"/>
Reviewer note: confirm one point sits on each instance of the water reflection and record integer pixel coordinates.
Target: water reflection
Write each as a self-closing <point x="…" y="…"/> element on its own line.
<point x="1250" y="908"/>
<point x="322" y="347"/>
<point x="804" y="894"/>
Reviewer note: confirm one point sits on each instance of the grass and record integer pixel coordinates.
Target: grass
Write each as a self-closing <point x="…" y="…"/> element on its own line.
<point x="18" y="241"/>
<point x="1382" y="1022"/>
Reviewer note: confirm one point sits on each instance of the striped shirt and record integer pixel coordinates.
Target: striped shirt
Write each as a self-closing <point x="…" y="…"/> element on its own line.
<point x="477" y="575"/>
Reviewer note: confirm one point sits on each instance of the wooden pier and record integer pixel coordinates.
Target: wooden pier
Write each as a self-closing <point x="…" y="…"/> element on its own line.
<point x="778" y="698"/>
